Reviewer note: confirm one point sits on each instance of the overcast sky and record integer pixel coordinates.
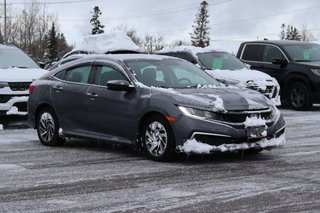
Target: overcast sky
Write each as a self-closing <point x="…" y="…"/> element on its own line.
<point x="173" y="19"/>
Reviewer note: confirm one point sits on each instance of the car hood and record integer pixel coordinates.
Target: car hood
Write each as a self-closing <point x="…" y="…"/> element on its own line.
<point x="15" y="74"/>
<point x="242" y="75"/>
<point x="215" y="99"/>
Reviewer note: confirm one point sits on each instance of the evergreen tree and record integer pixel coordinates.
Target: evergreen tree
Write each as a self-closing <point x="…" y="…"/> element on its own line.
<point x="97" y="27"/>
<point x="200" y="36"/>
<point x="51" y="53"/>
<point x="63" y="46"/>
<point x="292" y="33"/>
<point x="282" y="33"/>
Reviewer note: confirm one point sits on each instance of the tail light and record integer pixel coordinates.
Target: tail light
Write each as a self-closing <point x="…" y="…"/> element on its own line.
<point x="31" y="87"/>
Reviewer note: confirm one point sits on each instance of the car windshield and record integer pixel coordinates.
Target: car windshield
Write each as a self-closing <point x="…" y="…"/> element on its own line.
<point x="220" y="61"/>
<point x="303" y="52"/>
<point x="169" y="73"/>
<point x="15" y="58"/>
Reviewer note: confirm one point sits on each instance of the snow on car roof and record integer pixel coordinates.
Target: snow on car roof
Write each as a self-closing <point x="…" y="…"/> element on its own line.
<point x="106" y="42"/>
<point x="218" y="46"/>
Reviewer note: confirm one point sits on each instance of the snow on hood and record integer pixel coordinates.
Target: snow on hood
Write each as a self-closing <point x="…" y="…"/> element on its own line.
<point x="106" y="42"/>
<point x="216" y="99"/>
<point x="196" y="147"/>
<point x="15" y="74"/>
<point x="242" y="75"/>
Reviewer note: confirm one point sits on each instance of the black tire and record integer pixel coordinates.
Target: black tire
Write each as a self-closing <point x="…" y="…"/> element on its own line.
<point x="160" y="146"/>
<point x="299" y="96"/>
<point x="48" y="128"/>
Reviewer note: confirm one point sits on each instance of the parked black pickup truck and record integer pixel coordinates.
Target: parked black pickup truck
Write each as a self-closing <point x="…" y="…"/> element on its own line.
<point x="295" y="65"/>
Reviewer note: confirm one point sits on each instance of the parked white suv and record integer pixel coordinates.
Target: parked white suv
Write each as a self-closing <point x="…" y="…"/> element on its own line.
<point x="228" y="69"/>
<point x="17" y="71"/>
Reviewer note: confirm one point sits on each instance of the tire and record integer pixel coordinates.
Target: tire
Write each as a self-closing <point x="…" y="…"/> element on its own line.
<point x="158" y="139"/>
<point x="48" y="128"/>
<point x="299" y="97"/>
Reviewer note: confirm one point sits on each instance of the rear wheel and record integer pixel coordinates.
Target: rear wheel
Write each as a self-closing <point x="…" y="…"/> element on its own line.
<point x="158" y="138"/>
<point x="299" y="97"/>
<point x="48" y="128"/>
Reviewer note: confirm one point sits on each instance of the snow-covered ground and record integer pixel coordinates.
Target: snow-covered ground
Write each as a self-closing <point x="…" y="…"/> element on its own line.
<point x="84" y="176"/>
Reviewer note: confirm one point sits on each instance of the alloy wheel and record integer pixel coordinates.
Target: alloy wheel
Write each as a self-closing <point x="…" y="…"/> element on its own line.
<point x="156" y="138"/>
<point x="46" y="127"/>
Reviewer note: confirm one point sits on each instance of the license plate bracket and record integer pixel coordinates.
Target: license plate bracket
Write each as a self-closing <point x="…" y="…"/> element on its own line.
<point x="256" y="132"/>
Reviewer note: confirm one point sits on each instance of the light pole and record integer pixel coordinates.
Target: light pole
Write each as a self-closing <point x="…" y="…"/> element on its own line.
<point x="5" y="22"/>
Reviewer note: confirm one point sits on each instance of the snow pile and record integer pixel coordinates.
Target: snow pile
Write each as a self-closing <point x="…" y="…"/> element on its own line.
<point x="196" y="147"/>
<point x="218" y="102"/>
<point x="1" y="127"/>
<point x="14" y="111"/>
<point x="254" y="121"/>
<point x="193" y="146"/>
<point x="107" y="42"/>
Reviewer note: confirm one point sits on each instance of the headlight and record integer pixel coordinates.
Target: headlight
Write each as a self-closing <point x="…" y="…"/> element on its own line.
<point x="199" y="114"/>
<point x="316" y="71"/>
<point x="3" y="84"/>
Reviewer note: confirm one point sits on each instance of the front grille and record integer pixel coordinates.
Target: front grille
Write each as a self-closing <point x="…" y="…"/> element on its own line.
<point x="240" y="117"/>
<point x="217" y="141"/>
<point x="22" y="106"/>
<point x="6" y="98"/>
<point x="19" y="86"/>
<point x="269" y="92"/>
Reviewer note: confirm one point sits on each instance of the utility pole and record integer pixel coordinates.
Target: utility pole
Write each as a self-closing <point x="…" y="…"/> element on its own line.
<point x="5" y="22"/>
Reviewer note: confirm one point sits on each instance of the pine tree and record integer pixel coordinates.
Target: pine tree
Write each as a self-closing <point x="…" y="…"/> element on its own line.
<point x="200" y="36"/>
<point x="51" y="53"/>
<point x="97" y="27"/>
<point x="292" y="33"/>
<point x="282" y="33"/>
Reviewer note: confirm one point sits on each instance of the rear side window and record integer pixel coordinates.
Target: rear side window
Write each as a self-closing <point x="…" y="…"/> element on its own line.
<point x="271" y="52"/>
<point x="253" y="52"/>
<point x="77" y="74"/>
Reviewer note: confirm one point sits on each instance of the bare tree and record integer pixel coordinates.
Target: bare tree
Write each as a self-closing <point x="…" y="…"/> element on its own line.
<point x="153" y="43"/>
<point x="132" y="33"/>
<point x="306" y="35"/>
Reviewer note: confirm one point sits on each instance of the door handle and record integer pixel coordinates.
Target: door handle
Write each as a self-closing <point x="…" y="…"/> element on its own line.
<point x="57" y="88"/>
<point x="92" y="95"/>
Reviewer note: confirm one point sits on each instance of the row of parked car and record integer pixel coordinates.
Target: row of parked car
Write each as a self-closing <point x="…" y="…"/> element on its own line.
<point x="160" y="103"/>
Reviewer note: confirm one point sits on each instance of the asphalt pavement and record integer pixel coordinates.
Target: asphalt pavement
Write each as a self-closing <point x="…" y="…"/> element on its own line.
<point x="86" y="176"/>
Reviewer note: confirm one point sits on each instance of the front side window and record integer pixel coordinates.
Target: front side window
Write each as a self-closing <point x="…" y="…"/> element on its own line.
<point x="169" y="73"/>
<point x="107" y="73"/>
<point x="220" y="61"/>
<point x="78" y="74"/>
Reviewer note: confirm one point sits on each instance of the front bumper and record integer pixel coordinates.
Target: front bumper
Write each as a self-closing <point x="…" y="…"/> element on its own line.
<point x="195" y="147"/>
<point x="222" y="136"/>
<point x="13" y="105"/>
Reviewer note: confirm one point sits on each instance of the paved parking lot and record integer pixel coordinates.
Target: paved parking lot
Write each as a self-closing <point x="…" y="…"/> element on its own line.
<point x="87" y="176"/>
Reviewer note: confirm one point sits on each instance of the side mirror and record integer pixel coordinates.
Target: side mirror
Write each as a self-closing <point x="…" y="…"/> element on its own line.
<point x="280" y="61"/>
<point x="119" y="85"/>
<point x="41" y="64"/>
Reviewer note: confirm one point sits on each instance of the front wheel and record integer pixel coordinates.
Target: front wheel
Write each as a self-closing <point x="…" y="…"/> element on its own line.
<point x="299" y="97"/>
<point x="48" y="128"/>
<point x="158" y="138"/>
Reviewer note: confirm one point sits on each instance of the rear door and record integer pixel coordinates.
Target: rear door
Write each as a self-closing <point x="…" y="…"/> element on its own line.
<point x="68" y="97"/>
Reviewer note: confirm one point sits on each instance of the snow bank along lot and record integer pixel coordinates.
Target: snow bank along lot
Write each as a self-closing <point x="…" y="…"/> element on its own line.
<point x="82" y="176"/>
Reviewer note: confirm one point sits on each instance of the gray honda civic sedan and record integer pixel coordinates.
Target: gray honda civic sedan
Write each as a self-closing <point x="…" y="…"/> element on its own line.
<point x="162" y="104"/>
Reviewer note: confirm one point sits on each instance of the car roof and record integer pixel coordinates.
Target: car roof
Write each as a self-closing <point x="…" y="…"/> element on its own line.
<point x="191" y="49"/>
<point x="278" y="42"/>
<point x="121" y="57"/>
<point x="8" y="46"/>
